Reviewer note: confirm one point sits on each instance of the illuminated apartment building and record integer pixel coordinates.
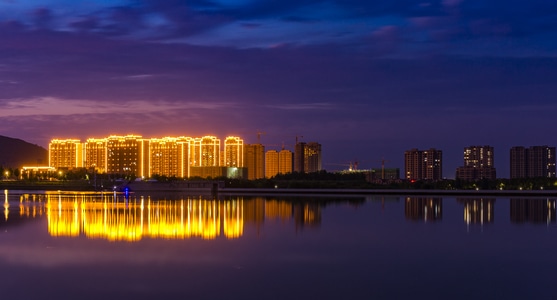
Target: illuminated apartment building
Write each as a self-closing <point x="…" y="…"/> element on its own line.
<point x="123" y="154"/>
<point x="96" y="155"/>
<point x="536" y="161"/>
<point x="205" y="152"/>
<point x="233" y="152"/>
<point x="307" y="157"/>
<point x="285" y="161"/>
<point x="65" y="154"/>
<point x="271" y="163"/>
<point x="168" y="156"/>
<point x="478" y="164"/>
<point x="423" y="164"/>
<point x="254" y="160"/>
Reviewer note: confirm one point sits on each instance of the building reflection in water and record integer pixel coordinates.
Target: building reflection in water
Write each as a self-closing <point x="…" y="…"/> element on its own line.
<point x="423" y="208"/>
<point x="259" y="209"/>
<point x="306" y="214"/>
<point x="478" y="210"/>
<point x="533" y="211"/>
<point x="115" y="217"/>
<point x="118" y="219"/>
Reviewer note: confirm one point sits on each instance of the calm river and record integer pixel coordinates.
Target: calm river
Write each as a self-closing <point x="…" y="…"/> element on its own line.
<point x="94" y="246"/>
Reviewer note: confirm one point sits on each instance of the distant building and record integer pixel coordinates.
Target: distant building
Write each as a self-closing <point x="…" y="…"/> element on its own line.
<point x="382" y="174"/>
<point x="123" y="154"/>
<point x="254" y="160"/>
<point x="285" y="161"/>
<point x="307" y="157"/>
<point x="233" y="152"/>
<point x="96" y="155"/>
<point x="168" y="156"/>
<point x="65" y="154"/>
<point x="535" y="161"/>
<point x="271" y="163"/>
<point x="423" y="164"/>
<point x="478" y="164"/>
<point x="205" y="152"/>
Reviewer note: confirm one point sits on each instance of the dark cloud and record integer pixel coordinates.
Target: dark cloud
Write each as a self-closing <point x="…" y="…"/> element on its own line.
<point x="386" y="75"/>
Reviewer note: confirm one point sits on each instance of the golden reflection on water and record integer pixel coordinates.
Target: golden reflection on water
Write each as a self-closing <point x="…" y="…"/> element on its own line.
<point x="115" y="218"/>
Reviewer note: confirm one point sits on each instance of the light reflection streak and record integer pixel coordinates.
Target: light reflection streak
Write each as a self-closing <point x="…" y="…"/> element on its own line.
<point x="106" y="217"/>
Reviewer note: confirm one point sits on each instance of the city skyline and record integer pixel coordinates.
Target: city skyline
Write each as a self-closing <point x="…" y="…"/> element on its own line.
<point x="366" y="79"/>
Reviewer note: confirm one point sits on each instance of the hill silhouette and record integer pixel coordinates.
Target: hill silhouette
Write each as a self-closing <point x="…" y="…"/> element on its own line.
<point x="15" y="153"/>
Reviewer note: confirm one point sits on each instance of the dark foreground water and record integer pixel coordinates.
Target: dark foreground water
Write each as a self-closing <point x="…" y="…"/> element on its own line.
<point x="91" y="246"/>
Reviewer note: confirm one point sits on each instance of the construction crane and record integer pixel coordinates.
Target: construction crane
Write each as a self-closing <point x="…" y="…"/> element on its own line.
<point x="282" y="146"/>
<point x="383" y="161"/>
<point x="298" y="136"/>
<point x="259" y="133"/>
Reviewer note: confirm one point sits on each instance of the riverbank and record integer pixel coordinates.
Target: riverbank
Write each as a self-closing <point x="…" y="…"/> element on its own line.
<point x="281" y="191"/>
<point x="217" y="187"/>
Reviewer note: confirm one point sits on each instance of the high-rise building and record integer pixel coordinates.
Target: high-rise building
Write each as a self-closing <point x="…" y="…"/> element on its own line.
<point x="285" y="161"/>
<point x="254" y="160"/>
<point x="519" y="162"/>
<point x="423" y="164"/>
<point x="307" y="157"/>
<point x="65" y="154"/>
<point x="168" y="156"/>
<point x="123" y="154"/>
<point x="478" y="163"/>
<point x="233" y="152"/>
<point x="271" y="163"/>
<point x="205" y="152"/>
<point x="535" y="161"/>
<point x="96" y="155"/>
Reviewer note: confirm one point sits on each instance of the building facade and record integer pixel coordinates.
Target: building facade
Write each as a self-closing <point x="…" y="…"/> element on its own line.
<point x="479" y="163"/>
<point x="233" y="152"/>
<point x="271" y="163"/>
<point x="254" y="160"/>
<point x="67" y="154"/>
<point x="423" y="164"/>
<point x="535" y="161"/>
<point x="285" y="161"/>
<point x="307" y="157"/>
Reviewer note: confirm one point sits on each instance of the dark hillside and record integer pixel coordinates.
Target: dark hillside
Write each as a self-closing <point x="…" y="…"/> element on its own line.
<point x="15" y="153"/>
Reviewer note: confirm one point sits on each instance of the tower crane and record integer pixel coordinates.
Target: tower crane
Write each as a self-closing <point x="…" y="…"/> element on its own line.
<point x="259" y="133"/>
<point x="383" y="161"/>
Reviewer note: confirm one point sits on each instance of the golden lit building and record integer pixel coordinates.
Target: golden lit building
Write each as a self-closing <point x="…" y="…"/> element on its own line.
<point x="271" y="163"/>
<point x="168" y="156"/>
<point x="285" y="162"/>
<point x="233" y="152"/>
<point x="205" y="152"/>
<point x="95" y="155"/>
<point x="123" y="154"/>
<point x="254" y="158"/>
<point x="65" y="154"/>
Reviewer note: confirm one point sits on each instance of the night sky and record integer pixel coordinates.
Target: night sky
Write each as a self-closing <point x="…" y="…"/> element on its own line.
<point x="366" y="79"/>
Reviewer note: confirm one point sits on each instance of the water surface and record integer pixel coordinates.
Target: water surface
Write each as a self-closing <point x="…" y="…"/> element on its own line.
<point x="107" y="246"/>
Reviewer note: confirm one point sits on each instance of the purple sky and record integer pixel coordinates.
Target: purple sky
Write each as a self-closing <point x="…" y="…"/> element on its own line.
<point x="366" y="79"/>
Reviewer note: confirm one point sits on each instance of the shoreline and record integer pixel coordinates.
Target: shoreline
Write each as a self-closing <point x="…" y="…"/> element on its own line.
<point x="285" y="191"/>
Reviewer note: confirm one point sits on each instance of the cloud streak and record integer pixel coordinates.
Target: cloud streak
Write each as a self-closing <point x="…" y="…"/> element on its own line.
<point x="52" y="106"/>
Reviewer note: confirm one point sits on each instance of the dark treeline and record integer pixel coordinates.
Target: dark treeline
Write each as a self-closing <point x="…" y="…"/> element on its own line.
<point x="321" y="179"/>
